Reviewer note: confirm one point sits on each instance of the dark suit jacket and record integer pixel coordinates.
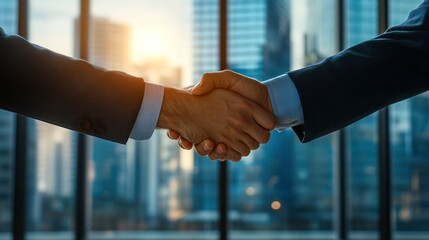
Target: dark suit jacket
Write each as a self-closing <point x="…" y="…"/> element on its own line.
<point x="367" y="77"/>
<point x="71" y="93"/>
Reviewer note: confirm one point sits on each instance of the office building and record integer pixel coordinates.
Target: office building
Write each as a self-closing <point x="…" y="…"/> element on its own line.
<point x="8" y="22"/>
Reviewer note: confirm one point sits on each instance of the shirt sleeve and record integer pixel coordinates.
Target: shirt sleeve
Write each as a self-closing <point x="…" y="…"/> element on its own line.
<point x="285" y="102"/>
<point x="149" y="112"/>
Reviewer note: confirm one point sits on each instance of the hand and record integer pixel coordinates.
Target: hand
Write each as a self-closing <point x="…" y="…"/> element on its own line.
<point x="245" y="86"/>
<point x="222" y="116"/>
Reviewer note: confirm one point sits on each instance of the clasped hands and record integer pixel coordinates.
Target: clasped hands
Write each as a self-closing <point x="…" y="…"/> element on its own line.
<point x="226" y="115"/>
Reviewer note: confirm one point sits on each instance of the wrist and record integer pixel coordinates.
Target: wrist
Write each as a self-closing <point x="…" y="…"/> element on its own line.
<point x="268" y="105"/>
<point x="174" y="109"/>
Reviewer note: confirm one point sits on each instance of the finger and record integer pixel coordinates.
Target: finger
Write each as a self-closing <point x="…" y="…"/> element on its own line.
<point x="185" y="144"/>
<point x="219" y="151"/>
<point x="241" y="148"/>
<point x="258" y="133"/>
<point x="232" y="155"/>
<point x="263" y="117"/>
<point x="205" y="147"/>
<point x="212" y="80"/>
<point x="173" y="134"/>
<point x="250" y="142"/>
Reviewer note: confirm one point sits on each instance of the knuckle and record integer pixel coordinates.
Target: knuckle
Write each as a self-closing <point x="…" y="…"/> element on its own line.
<point x="246" y="153"/>
<point x="237" y="122"/>
<point x="254" y="145"/>
<point x="205" y="76"/>
<point x="240" y="121"/>
<point x="265" y="138"/>
<point x="199" y="151"/>
<point x="245" y="105"/>
<point x="226" y="71"/>
<point x="272" y="123"/>
<point x="212" y="157"/>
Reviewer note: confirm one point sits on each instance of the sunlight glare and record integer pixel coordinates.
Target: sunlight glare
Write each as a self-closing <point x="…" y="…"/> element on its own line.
<point x="149" y="45"/>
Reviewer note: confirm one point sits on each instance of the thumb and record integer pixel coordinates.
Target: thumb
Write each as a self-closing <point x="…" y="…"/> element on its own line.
<point x="212" y="80"/>
<point x="203" y="87"/>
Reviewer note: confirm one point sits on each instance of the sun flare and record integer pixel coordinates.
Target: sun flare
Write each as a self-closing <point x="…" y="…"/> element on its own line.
<point x="149" y="45"/>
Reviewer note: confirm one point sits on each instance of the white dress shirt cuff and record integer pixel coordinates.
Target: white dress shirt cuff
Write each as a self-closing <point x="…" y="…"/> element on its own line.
<point x="149" y="112"/>
<point x="285" y="102"/>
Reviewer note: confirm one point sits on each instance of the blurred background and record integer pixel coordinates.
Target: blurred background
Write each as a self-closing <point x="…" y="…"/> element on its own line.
<point x="153" y="190"/>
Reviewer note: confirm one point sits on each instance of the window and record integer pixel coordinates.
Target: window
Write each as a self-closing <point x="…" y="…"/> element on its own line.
<point x="52" y="152"/>
<point x="273" y="191"/>
<point x="8" y="21"/>
<point x="409" y="128"/>
<point x="150" y="188"/>
<point x="362" y="137"/>
<point x="153" y="190"/>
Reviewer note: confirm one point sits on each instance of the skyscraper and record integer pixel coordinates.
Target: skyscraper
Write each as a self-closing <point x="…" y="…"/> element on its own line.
<point x="109" y="43"/>
<point x="8" y="21"/>
<point x="109" y="48"/>
<point x="409" y="148"/>
<point x="8" y="16"/>
<point x="361" y="25"/>
<point x="406" y="119"/>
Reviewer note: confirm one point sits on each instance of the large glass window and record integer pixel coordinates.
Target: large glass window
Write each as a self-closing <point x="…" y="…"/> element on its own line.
<point x="285" y="188"/>
<point x="151" y="189"/>
<point x="362" y="137"/>
<point x="52" y="152"/>
<point x="409" y="129"/>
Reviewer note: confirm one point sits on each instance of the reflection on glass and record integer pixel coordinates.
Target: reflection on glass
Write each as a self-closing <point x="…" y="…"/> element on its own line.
<point x="409" y="130"/>
<point x="8" y="21"/>
<point x="52" y="150"/>
<point x="285" y="188"/>
<point x="362" y="139"/>
<point x="150" y="188"/>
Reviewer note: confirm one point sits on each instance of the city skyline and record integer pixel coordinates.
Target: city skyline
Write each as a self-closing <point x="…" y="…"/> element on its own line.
<point x="153" y="186"/>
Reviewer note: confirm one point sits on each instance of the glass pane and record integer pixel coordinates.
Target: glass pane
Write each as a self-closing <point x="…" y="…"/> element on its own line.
<point x="273" y="191"/>
<point x="51" y="167"/>
<point x="409" y="128"/>
<point x="150" y="189"/>
<point x="362" y="138"/>
<point x="8" y="21"/>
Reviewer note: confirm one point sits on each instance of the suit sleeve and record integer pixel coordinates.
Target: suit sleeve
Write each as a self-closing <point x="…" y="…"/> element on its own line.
<point x="365" y="78"/>
<point x="67" y="92"/>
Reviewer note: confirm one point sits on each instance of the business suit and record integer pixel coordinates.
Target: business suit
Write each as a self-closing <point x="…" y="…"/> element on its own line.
<point x="71" y="93"/>
<point x="367" y="77"/>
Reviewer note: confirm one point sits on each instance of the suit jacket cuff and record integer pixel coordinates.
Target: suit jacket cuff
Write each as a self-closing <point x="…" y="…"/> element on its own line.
<point x="285" y="102"/>
<point x="149" y="112"/>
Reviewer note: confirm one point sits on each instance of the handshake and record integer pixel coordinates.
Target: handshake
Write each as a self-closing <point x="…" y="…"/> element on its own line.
<point x="226" y="115"/>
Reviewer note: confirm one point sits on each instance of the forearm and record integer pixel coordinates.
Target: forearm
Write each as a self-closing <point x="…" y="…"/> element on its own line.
<point x="71" y="93"/>
<point x="365" y="78"/>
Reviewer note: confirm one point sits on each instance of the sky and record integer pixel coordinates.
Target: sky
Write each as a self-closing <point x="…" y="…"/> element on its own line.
<point x="159" y="29"/>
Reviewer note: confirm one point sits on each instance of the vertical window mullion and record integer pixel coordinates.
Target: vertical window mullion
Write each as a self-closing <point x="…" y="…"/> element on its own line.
<point x="20" y="180"/>
<point x="341" y="169"/>
<point x="385" y="227"/>
<point x="82" y="188"/>
<point x="223" y="166"/>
